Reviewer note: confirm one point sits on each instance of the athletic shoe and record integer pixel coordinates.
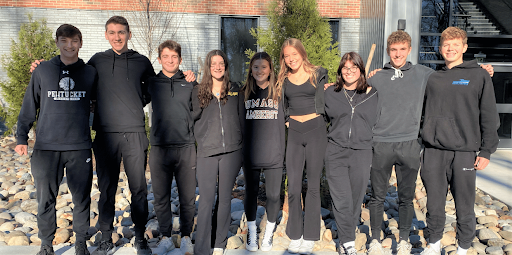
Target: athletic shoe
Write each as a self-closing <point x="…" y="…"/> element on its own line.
<point x="46" y="250"/>
<point x="141" y="247"/>
<point x="430" y="251"/>
<point x="306" y="247"/>
<point x="347" y="251"/>
<point x="105" y="248"/>
<point x="81" y="249"/>
<point x="268" y="240"/>
<point x="403" y="248"/>
<point x="186" y="246"/>
<point x="252" y="240"/>
<point x="294" y="245"/>
<point x="218" y="251"/>
<point x="375" y="248"/>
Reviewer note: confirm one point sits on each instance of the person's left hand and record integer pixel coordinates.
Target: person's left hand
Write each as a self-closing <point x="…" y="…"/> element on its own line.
<point x="481" y="163"/>
<point x="488" y="68"/>
<point x="328" y="85"/>
<point x="189" y="76"/>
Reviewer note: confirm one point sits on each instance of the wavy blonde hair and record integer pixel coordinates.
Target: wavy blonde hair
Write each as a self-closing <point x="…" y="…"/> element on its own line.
<point x="250" y="83"/>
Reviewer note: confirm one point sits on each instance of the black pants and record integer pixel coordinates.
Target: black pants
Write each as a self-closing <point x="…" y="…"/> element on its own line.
<point x="109" y="149"/>
<point x="306" y="148"/>
<point x="273" y="180"/>
<point x="441" y="170"/>
<point x="348" y="172"/>
<point x="405" y="156"/>
<point x="224" y="168"/>
<point x="48" y="170"/>
<point x="163" y="163"/>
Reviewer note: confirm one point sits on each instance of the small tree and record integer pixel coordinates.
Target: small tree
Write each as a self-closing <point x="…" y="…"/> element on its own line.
<point x="35" y="41"/>
<point x="298" y="19"/>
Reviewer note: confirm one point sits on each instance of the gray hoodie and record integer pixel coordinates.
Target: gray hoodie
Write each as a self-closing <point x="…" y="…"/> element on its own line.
<point x="401" y="94"/>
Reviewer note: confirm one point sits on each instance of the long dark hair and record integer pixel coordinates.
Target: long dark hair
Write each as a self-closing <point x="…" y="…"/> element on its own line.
<point x="250" y="83"/>
<point x="362" y="85"/>
<point x="205" y="87"/>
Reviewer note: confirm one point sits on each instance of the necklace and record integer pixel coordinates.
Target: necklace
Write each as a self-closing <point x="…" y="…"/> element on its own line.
<point x="349" y="97"/>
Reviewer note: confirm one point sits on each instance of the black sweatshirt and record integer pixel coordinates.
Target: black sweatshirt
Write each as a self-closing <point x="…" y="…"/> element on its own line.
<point x="62" y="94"/>
<point x="263" y="131"/>
<point x="172" y="124"/>
<point x="217" y="127"/>
<point x="351" y="122"/>
<point x="460" y="110"/>
<point x="121" y="91"/>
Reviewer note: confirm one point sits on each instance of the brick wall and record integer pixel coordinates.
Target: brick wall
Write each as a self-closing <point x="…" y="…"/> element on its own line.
<point x="328" y="8"/>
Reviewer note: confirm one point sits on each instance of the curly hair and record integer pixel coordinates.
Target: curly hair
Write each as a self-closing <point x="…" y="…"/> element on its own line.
<point x="399" y="36"/>
<point x="356" y="59"/>
<point x="250" y="83"/>
<point x="205" y="87"/>
<point x="451" y="33"/>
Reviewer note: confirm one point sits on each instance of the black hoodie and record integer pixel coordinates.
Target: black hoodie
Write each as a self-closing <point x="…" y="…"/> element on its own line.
<point x="460" y="110"/>
<point x="172" y="123"/>
<point x="122" y="93"/>
<point x="62" y="93"/>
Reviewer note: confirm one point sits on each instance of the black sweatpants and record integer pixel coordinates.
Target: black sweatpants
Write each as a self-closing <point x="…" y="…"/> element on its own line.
<point x="273" y="180"/>
<point x="222" y="168"/>
<point x="405" y="156"/>
<point x="109" y="149"/>
<point x="48" y="170"/>
<point x="163" y="163"/>
<point x="348" y="172"/>
<point x="455" y="170"/>
<point x="306" y="148"/>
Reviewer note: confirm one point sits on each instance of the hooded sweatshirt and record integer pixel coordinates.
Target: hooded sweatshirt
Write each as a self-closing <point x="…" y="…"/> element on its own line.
<point x="62" y="93"/>
<point x="401" y="93"/>
<point x="121" y="91"/>
<point x="172" y="123"/>
<point x="460" y="110"/>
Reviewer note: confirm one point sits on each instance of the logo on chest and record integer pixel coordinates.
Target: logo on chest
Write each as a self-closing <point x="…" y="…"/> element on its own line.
<point x="461" y="82"/>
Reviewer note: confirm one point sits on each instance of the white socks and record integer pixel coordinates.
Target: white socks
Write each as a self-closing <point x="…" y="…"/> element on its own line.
<point x="436" y="245"/>
<point x="349" y="244"/>
<point x="461" y="251"/>
<point x="269" y="229"/>
<point x="252" y="226"/>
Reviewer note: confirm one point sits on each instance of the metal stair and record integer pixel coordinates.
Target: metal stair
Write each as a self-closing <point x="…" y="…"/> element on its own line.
<point x="478" y="23"/>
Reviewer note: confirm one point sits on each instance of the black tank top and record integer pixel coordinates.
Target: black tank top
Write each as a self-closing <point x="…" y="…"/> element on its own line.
<point x="301" y="98"/>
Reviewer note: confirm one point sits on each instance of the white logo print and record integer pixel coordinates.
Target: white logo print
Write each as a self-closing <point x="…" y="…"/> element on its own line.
<point x="183" y="85"/>
<point x="67" y="83"/>
<point x="88" y="160"/>
<point x="67" y="94"/>
<point x="65" y="72"/>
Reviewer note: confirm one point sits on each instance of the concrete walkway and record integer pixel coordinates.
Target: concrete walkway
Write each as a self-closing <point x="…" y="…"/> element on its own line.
<point x="496" y="179"/>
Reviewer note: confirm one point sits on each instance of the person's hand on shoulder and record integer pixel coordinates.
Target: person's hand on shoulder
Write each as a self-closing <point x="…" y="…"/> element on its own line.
<point x="488" y="68"/>
<point x="35" y="64"/>
<point x="372" y="73"/>
<point x="327" y="85"/>
<point x="189" y="76"/>
<point x="21" y="149"/>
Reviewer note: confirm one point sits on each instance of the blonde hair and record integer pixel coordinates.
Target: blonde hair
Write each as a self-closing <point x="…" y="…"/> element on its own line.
<point x="451" y="33"/>
<point x="284" y="70"/>
<point x="250" y="83"/>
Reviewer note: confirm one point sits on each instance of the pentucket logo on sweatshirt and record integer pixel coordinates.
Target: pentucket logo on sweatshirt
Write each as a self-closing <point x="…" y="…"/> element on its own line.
<point x="461" y="82"/>
<point x="67" y="84"/>
<point x="261" y="114"/>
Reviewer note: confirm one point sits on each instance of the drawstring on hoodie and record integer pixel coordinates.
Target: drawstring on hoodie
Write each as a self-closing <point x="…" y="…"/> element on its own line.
<point x="114" y="64"/>
<point x="398" y="74"/>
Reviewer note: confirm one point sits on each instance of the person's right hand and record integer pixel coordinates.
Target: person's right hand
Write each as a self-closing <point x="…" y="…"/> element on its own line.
<point x="35" y="64"/>
<point x="372" y="73"/>
<point x="328" y="85"/>
<point x="21" y="149"/>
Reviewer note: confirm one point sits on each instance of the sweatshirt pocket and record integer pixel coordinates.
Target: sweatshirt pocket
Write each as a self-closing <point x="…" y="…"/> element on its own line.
<point x="235" y="132"/>
<point x="442" y="133"/>
<point x="213" y="136"/>
<point x="171" y="131"/>
<point x="63" y="128"/>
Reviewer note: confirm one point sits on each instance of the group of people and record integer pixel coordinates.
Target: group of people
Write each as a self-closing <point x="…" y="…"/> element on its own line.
<point x="372" y="125"/>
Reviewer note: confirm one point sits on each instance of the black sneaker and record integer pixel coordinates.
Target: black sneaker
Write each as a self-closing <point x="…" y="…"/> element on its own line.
<point x="105" y="248"/>
<point x="81" y="249"/>
<point x="46" y="250"/>
<point x="141" y="247"/>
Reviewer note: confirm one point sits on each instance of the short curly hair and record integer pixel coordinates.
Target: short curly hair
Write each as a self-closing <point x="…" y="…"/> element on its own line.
<point x="399" y="36"/>
<point x="451" y="33"/>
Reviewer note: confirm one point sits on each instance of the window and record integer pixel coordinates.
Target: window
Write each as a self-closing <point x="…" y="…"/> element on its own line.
<point x="235" y="39"/>
<point x="335" y="30"/>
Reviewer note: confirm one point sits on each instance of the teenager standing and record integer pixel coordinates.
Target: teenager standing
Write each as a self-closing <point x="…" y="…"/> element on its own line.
<point x="264" y="146"/>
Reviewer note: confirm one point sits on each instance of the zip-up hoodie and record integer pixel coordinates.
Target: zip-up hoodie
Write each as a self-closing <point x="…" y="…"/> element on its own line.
<point x="217" y="127"/>
<point x="263" y="131"/>
<point x="321" y="79"/>
<point x="121" y="91"/>
<point x="351" y="122"/>
<point x="172" y="123"/>
<point x="401" y="93"/>
<point x="62" y="93"/>
<point x="460" y="110"/>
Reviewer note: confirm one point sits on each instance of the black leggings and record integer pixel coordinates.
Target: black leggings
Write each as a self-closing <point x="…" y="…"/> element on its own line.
<point x="224" y="168"/>
<point x="273" y="179"/>
<point x="306" y="148"/>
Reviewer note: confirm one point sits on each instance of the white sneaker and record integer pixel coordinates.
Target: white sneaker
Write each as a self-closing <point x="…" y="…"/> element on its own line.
<point x="267" y="241"/>
<point x="306" y="247"/>
<point x="349" y="250"/>
<point x="252" y="240"/>
<point x="218" y="251"/>
<point x="166" y="244"/>
<point x="430" y="251"/>
<point x="186" y="246"/>
<point x="403" y="248"/>
<point x="375" y="248"/>
<point x="294" y="245"/>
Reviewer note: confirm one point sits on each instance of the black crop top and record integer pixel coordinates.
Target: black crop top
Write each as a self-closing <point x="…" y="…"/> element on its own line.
<point x="301" y="98"/>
